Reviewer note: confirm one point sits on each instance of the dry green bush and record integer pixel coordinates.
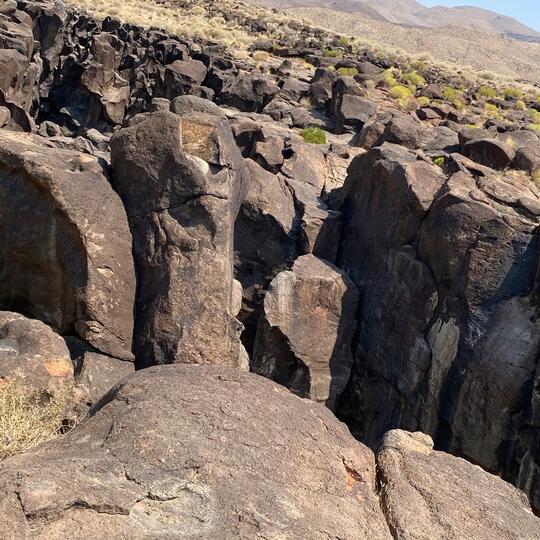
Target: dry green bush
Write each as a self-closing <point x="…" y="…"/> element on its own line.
<point x="349" y="72"/>
<point x="261" y="56"/>
<point x="28" y="417"/>
<point x="486" y="92"/>
<point x="401" y="92"/>
<point x="413" y="78"/>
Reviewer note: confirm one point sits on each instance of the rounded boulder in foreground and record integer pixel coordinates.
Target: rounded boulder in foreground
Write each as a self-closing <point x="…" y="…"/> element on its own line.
<point x="201" y="453"/>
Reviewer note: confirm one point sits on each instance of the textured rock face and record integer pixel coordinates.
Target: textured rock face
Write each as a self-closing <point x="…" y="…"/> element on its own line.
<point x="265" y="239"/>
<point x="489" y="152"/>
<point x="196" y="452"/>
<point x="33" y="354"/>
<point x="427" y="494"/>
<point x="304" y="339"/>
<point x="180" y="180"/>
<point x="70" y="265"/>
<point x="445" y="259"/>
<point x="448" y="339"/>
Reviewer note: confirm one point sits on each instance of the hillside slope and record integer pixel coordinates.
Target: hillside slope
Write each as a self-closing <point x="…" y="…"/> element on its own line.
<point x="465" y="47"/>
<point x="412" y="13"/>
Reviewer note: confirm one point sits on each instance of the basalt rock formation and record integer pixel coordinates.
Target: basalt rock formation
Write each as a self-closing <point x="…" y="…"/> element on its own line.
<point x="304" y="339"/>
<point x="181" y="179"/>
<point x="69" y="265"/>
<point x="161" y="203"/>
<point x="223" y="454"/>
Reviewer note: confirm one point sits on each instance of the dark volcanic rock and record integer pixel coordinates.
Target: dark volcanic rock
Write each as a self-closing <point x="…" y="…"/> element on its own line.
<point x="489" y="152"/>
<point x="266" y="233"/>
<point x="349" y="107"/>
<point x="180" y="180"/>
<point x="196" y="452"/>
<point x="304" y="340"/>
<point x="70" y="265"/>
<point x="33" y="354"/>
<point x="446" y="271"/>
<point x="249" y="92"/>
<point x="402" y="130"/>
<point x="428" y="494"/>
<point x="182" y="75"/>
<point x="528" y="158"/>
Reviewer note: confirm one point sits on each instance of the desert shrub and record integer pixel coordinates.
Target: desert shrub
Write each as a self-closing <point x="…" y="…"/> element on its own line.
<point x="451" y="94"/>
<point x="309" y="66"/>
<point x="535" y="116"/>
<point x="313" y="135"/>
<point x="454" y="96"/>
<point x="413" y="78"/>
<point x="400" y="92"/>
<point x="409" y="103"/>
<point x="535" y="127"/>
<point x="458" y="104"/>
<point x="260" y="56"/>
<point x="331" y="53"/>
<point x="389" y="78"/>
<point x="439" y="161"/>
<point x="486" y="92"/>
<point x="491" y="110"/>
<point x="486" y="75"/>
<point x="345" y="71"/>
<point x="536" y="176"/>
<point x="423" y="101"/>
<point x="28" y="417"/>
<point x="419" y="65"/>
<point x="510" y="142"/>
<point x="513" y="92"/>
<point x="520" y="105"/>
<point x="343" y="41"/>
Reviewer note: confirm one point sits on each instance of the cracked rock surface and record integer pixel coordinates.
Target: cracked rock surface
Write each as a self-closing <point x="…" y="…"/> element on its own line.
<point x="198" y="452"/>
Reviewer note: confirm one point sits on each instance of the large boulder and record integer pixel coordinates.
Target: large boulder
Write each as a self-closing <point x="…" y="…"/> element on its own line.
<point x="102" y="77"/>
<point x="528" y="158"/>
<point x="181" y="75"/>
<point x="93" y="93"/>
<point x="249" y="92"/>
<point x="196" y="452"/>
<point x="427" y="494"/>
<point x="66" y="247"/>
<point x="489" y="152"/>
<point x="403" y="130"/>
<point x="448" y="340"/>
<point x="304" y="339"/>
<point x="180" y="180"/>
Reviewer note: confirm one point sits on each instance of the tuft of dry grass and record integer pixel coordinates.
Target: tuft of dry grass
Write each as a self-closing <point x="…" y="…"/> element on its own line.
<point x="28" y="417"/>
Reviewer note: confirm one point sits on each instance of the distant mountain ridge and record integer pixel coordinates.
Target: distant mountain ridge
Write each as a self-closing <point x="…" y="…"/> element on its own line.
<point x="412" y="13"/>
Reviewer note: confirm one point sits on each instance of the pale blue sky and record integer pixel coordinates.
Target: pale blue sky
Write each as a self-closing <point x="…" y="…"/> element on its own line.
<point x="526" y="11"/>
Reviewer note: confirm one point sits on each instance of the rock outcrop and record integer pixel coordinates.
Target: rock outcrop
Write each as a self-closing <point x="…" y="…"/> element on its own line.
<point x="390" y="271"/>
<point x="198" y="452"/>
<point x="429" y="494"/>
<point x="31" y="353"/>
<point x="448" y="337"/>
<point x="304" y="339"/>
<point x="180" y="179"/>
<point x="211" y="452"/>
<point x="70" y="265"/>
